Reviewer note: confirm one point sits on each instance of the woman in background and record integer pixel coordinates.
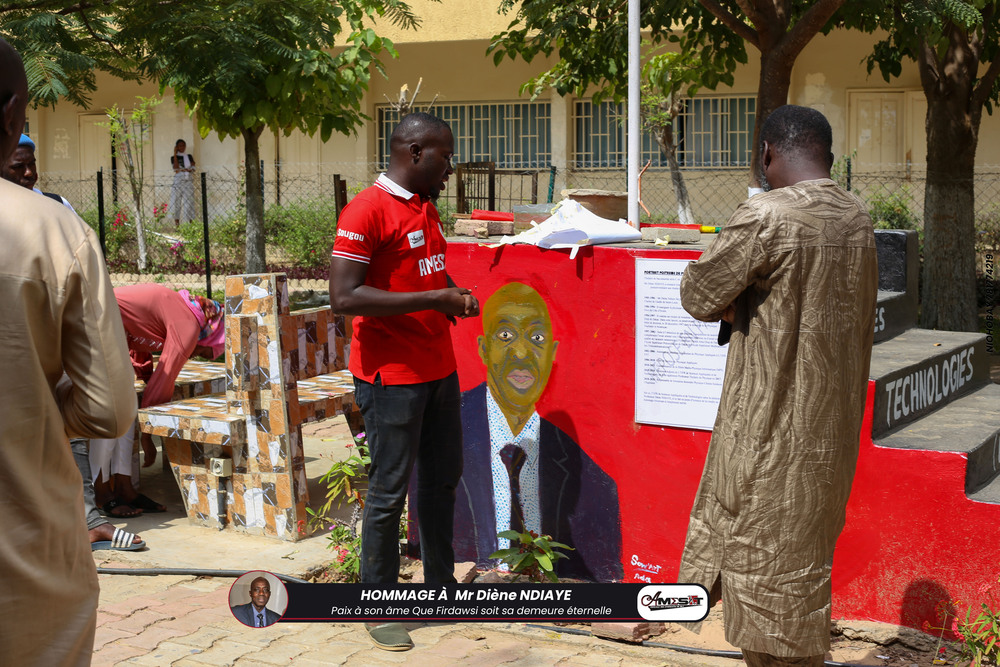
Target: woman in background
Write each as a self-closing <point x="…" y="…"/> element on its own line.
<point x="182" y="192"/>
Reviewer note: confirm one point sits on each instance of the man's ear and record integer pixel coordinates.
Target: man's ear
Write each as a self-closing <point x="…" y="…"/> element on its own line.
<point x="10" y="114"/>
<point x="482" y="348"/>
<point x="765" y="155"/>
<point x="415" y="151"/>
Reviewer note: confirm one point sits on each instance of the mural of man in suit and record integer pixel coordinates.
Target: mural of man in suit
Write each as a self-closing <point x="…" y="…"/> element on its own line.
<point x="521" y="471"/>
<point x="255" y="613"/>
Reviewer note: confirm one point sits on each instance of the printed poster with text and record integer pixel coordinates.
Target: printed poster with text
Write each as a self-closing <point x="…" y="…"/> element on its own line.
<point x="679" y="364"/>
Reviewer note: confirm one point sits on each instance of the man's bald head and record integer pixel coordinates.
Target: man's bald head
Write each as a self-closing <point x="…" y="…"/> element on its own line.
<point x="13" y="99"/>
<point x="420" y="151"/>
<point x="415" y="128"/>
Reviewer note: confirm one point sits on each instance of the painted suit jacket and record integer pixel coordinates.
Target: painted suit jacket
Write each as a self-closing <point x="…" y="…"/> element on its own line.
<point x="578" y="500"/>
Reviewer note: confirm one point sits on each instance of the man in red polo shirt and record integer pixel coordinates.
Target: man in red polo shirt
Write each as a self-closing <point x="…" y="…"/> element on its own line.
<point x="388" y="267"/>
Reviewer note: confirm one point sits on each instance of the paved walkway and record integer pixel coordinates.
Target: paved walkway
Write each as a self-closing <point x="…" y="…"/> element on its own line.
<point x="185" y="620"/>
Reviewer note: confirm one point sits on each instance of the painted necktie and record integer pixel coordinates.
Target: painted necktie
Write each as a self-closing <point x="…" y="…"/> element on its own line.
<point x="260" y="620"/>
<point x="513" y="459"/>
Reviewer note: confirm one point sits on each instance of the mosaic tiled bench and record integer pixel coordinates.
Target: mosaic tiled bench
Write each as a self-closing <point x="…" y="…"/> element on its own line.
<point x="283" y="369"/>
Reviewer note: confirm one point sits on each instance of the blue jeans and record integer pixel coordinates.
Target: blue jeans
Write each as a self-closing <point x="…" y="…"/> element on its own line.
<point x="407" y="425"/>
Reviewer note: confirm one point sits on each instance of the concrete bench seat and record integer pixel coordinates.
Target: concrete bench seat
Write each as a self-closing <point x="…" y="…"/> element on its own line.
<point x="206" y="417"/>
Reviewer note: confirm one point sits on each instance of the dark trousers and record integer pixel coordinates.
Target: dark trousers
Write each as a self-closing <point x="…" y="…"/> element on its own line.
<point x="82" y="457"/>
<point x="407" y="425"/>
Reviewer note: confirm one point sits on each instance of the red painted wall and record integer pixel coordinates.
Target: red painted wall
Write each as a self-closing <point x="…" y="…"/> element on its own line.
<point x="912" y="537"/>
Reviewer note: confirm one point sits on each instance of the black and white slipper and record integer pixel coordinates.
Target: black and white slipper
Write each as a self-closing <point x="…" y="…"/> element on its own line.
<point x="122" y="540"/>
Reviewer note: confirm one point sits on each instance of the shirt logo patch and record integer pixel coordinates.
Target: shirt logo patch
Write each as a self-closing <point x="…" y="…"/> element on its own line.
<point x="354" y="236"/>
<point x="416" y="239"/>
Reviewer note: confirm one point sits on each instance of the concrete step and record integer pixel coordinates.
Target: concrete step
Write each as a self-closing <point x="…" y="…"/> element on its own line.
<point x="989" y="493"/>
<point x="921" y="370"/>
<point x="895" y="313"/>
<point x="898" y="268"/>
<point x="970" y="425"/>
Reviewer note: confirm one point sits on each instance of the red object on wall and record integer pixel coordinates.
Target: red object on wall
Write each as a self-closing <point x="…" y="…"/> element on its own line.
<point x="479" y="214"/>
<point x="912" y="536"/>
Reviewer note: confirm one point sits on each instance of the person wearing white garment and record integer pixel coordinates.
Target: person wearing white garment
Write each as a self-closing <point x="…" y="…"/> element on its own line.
<point x="182" y="192"/>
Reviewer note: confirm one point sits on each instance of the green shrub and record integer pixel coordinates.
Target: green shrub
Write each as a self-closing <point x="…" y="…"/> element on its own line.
<point x="892" y="211"/>
<point x="988" y="230"/>
<point x="304" y="230"/>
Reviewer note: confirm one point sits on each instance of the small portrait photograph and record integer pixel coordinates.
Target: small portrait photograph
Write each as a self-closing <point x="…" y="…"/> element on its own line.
<point x="258" y="599"/>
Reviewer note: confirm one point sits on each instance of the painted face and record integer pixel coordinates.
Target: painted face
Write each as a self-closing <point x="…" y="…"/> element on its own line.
<point x="517" y="346"/>
<point x="435" y="162"/>
<point x="260" y="593"/>
<point x="21" y="167"/>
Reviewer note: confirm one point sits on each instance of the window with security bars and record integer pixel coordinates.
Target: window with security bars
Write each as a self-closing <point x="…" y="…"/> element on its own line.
<point x="513" y="135"/>
<point x="710" y="132"/>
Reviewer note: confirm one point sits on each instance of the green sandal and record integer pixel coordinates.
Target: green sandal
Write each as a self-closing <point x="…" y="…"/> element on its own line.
<point x="389" y="636"/>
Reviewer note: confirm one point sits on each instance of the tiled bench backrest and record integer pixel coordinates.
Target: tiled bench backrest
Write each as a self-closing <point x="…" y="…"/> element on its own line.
<point x="268" y="350"/>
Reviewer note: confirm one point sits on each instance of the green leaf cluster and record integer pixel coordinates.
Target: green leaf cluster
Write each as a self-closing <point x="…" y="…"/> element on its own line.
<point x="590" y="39"/>
<point x="531" y="554"/>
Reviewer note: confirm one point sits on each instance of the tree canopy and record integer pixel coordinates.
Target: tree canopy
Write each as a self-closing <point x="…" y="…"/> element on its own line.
<point x="590" y="39"/>
<point x="240" y="65"/>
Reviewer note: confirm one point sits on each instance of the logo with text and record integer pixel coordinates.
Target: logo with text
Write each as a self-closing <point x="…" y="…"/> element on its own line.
<point x="673" y="602"/>
<point x="416" y="239"/>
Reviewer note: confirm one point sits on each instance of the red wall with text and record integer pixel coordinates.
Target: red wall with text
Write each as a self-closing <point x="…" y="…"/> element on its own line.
<point x="912" y="537"/>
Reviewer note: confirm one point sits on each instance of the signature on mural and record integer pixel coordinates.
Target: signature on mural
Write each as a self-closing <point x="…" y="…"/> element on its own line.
<point x="521" y="471"/>
<point x="644" y="569"/>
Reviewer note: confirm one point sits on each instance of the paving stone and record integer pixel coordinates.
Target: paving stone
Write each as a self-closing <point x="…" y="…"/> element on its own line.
<point x="114" y="653"/>
<point x="150" y="638"/>
<point x="314" y="634"/>
<point x="376" y="656"/>
<point x="534" y="656"/>
<point x="590" y="660"/>
<point x="491" y="654"/>
<point x="166" y="653"/>
<point x="188" y="623"/>
<point x="280" y="652"/>
<point x="224" y="652"/>
<point x="140" y="620"/>
<point x="125" y="607"/>
<point x="336" y="653"/>
<point x="431" y="634"/>
<point x="454" y="647"/>
<point x="104" y="635"/>
<point x="204" y="638"/>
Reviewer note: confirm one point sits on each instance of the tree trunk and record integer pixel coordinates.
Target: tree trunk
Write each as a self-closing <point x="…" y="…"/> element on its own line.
<point x="255" y="261"/>
<point x="669" y="148"/>
<point x="772" y="92"/>
<point x="949" y="274"/>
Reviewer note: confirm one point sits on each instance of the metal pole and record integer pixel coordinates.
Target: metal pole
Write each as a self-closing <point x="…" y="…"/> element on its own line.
<point x="632" y="115"/>
<point x="100" y="212"/>
<point x="204" y="219"/>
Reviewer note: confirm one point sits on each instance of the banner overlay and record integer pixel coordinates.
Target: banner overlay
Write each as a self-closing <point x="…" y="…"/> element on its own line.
<point x="582" y="603"/>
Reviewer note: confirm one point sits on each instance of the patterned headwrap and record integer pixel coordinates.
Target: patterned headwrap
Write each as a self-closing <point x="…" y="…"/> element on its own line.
<point x="209" y="314"/>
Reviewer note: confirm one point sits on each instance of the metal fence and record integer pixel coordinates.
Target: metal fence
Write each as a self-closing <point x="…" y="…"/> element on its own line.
<point x="301" y="203"/>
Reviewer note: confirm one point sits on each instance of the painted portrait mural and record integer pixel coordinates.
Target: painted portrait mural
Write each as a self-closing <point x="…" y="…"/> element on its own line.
<point x="522" y="472"/>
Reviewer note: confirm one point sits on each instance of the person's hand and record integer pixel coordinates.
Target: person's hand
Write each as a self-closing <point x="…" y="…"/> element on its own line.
<point x="148" y="450"/>
<point x="454" y="302"/>
<point x="471" y="306"/>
